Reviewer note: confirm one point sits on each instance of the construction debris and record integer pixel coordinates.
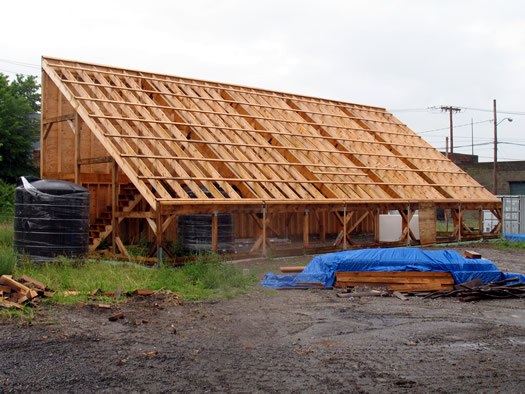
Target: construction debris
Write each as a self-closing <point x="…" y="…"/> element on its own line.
<point x="470" y="254"/>
<point x="15" y="293"/>
<point x="475" y="290"/>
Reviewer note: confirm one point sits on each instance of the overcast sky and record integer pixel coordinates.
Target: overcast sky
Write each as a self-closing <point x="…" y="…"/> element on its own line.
<point x="405" y="56"/>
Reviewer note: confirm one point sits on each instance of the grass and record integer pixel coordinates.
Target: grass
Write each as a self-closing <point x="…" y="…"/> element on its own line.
<point x="196" y="281"/>
<point x="503" y="244"/>
<point x="7" y="257"/>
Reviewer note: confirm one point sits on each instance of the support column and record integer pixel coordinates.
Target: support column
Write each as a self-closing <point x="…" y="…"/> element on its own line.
<point x="158" y="233"/>
<point x="306" y="228"/>
<point x="215" y="231"/>
<point x="480" y="221"/>
<point x="264" y="230"/>
<point x="114" y="206"/>
<point x="344" y="227"/>
<point x="323" y="226"/>
<point x="376" y="226"/>
<point x="409" y="219"/>
<point x="77" y="148"/>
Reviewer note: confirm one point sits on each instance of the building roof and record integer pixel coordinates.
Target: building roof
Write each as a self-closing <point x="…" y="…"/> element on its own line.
<point x="181" y="140"/>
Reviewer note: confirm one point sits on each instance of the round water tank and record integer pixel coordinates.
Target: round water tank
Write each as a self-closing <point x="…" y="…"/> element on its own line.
<point x="195" y="232"/>
<point x="51" y="219"/>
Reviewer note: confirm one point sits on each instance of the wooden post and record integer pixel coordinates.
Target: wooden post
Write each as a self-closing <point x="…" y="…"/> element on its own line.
<point x="323" y="226"/>
<point x="77" y="148"/>
<point x="480" y="221"/>
<point x="158" y="235"/>
<point x="264" y="230"/>
<point x="215" y="231"/>
<point x="344" y="227"/>
<point x="460" y="223"/>
<point x="409" y="217"/>
<point x="306" y="228"/>
<point x="114" y="205"/>
<point x="376" y="226"/>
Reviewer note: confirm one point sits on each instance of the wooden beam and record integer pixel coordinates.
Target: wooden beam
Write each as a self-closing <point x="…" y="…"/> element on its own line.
<point x="60" y="118"/>
<point x="95" y="160"/>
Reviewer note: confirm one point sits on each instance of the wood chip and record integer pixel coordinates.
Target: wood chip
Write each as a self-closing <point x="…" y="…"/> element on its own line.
<point x="143" y="292"/>
<point x="34" y="282"/>
<point x="94" y="292"/>
<point x="104" y="306"/>
<point x="399" y="295"/>
<point x="116" y="316"/>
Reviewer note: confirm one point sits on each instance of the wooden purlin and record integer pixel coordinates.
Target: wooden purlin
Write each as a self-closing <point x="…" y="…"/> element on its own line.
<point x="173" y="136"/>
<point x="204" y="134"/>
<point x="97" y="131"/>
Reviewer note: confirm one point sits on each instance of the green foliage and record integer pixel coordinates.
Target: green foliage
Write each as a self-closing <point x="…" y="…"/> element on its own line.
<point x="19" y="128"/>
<point x="7" y="201"/>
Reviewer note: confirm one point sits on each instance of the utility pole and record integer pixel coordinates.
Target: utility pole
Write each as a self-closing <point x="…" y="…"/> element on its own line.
<point x="495" y="175"/>
<point x="450" y="110"/>
<point x="472" y="134"/>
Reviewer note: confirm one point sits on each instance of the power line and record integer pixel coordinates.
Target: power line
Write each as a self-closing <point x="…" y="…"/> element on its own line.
<point x="459" y="125"/>
<point x="17" y="63"/>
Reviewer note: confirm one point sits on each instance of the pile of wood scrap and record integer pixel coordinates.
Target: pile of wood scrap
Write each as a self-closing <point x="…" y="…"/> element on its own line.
<point x="404" y="282"/>
<point x="475" y="290"/>
<point x="15" y="293"/>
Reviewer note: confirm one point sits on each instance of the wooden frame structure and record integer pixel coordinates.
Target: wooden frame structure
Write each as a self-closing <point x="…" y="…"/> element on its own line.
<point x="151" y="147"/>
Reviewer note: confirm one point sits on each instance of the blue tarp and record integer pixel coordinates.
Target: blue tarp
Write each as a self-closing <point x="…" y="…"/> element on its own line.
<point x="514" y="237"/>
<point x="322" y="268"/>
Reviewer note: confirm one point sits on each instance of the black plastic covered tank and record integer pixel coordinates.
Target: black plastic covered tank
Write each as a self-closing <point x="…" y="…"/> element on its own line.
<point x="195" y="232"/>
<point x="51" y="219"/>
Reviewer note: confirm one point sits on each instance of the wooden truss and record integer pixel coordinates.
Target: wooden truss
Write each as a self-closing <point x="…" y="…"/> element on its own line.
<point x="189" y="146"/>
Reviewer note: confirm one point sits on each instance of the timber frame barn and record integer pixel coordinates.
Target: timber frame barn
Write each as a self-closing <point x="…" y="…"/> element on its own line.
<point x="150" y="147"/>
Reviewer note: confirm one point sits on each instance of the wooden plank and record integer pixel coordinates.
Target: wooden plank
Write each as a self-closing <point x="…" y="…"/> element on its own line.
<point x="292" y="269"/>
<point x="394" y="274"/>
<point x="27" y="279"/>
<point x="7" y="280"/>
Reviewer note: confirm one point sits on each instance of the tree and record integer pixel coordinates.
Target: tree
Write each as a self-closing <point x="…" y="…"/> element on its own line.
<point x="19" y="125"/>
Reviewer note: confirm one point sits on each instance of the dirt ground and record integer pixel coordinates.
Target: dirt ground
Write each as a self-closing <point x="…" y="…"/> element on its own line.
<point x="268" y="341"/>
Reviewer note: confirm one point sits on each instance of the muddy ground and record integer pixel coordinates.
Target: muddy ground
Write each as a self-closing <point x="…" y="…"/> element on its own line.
<point x="269" y="341"/>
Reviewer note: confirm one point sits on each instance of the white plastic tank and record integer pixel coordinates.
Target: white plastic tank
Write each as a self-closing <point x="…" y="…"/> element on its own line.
<point x="390" y="227"/>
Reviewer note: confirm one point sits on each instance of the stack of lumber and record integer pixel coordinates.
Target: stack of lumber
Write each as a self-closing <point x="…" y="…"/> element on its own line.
<point x="475" y="290"/>
<point x="405" y="282"/>
<point x="15" y="293"/>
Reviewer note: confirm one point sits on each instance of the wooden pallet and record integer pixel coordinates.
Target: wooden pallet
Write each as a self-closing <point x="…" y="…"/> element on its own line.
<point x="406" y="282"/>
